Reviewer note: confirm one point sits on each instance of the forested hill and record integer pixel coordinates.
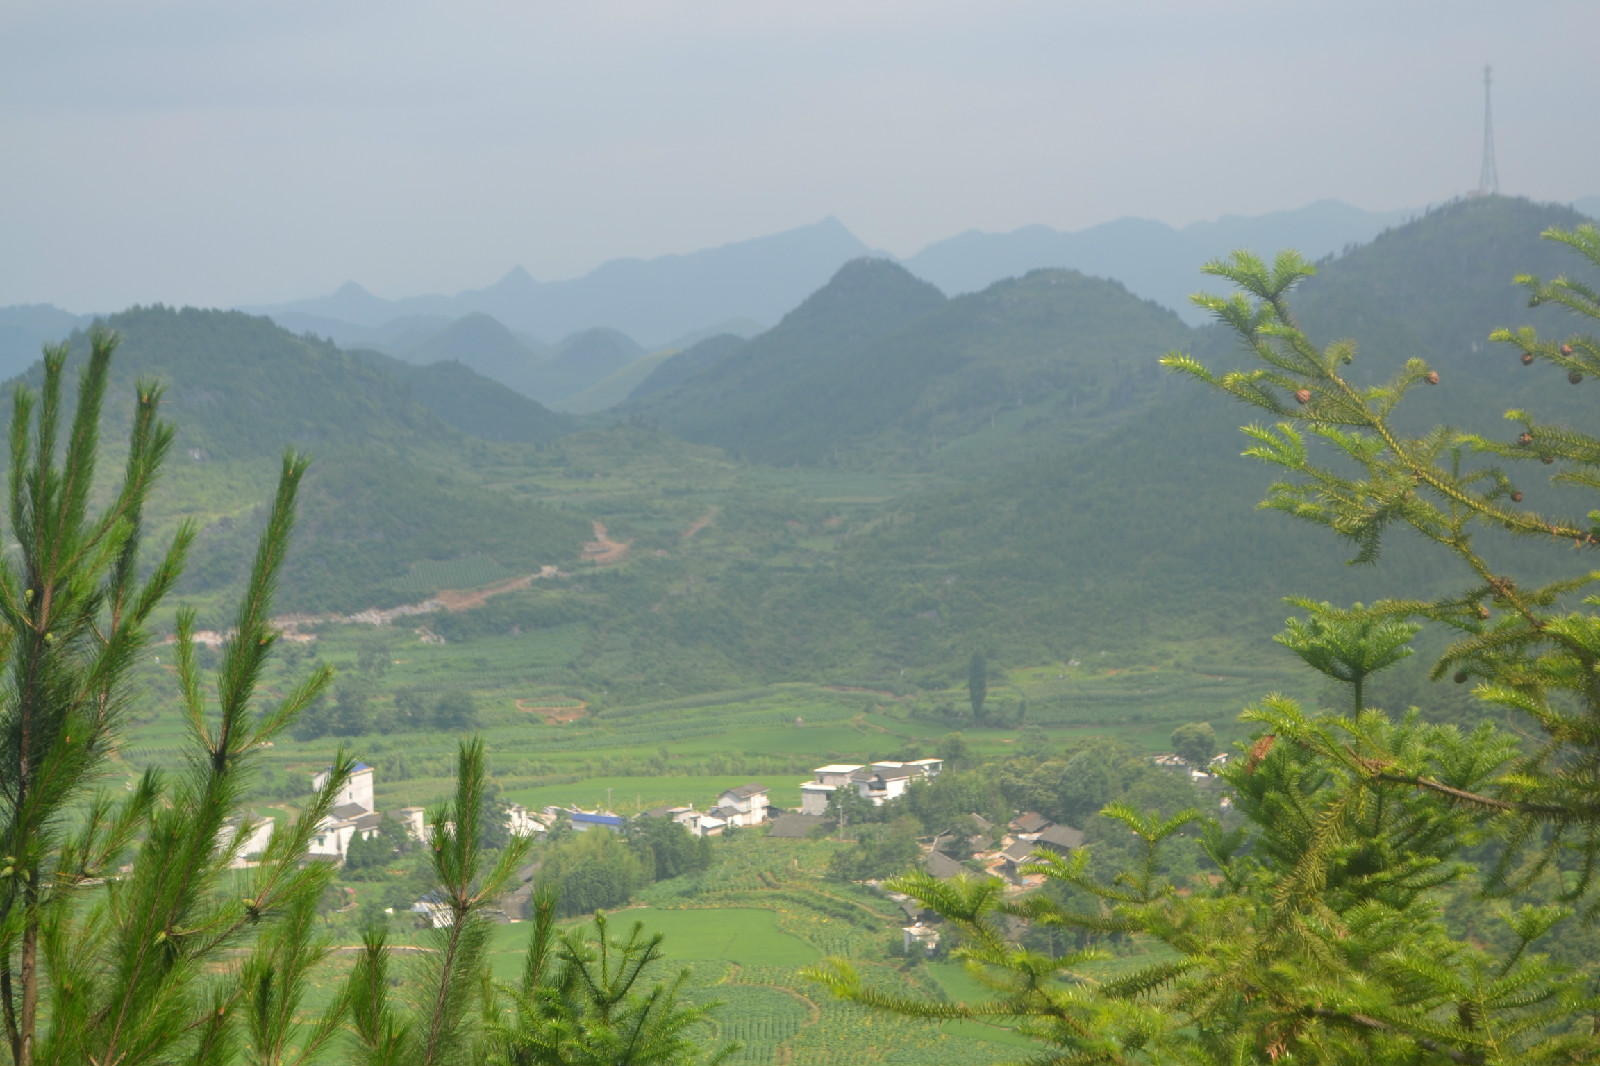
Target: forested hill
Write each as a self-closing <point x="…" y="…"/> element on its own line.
<point x="384" y="493"/>
<point x="733" y="401"/>
<point x="875" y="368"/>
<point x="1149" y="532"/>
<point x="1436" y="286"/>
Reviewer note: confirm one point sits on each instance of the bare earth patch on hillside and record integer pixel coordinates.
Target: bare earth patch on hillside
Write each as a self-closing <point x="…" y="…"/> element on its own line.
<point x="466" y="599"/>
<point x="602" y="550"/>
<point x="554" y="714"/>
<point x="700" y="523"/>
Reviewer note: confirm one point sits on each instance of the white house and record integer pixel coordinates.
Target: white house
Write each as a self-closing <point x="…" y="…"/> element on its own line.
<point x="815" y="794"/>
<point x="354" y="814"/>
<point x="357" y="787"/>
<point x="254" y="843"/>
<point x="878" y="783"/>
<point x="742" y="806"/>
<point x="434" y="911"/>
<point x="415" y="821"/>
<point x="520" y="822"/>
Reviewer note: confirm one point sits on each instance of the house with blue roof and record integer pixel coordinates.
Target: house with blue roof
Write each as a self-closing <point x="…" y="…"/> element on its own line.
<point x="583" y="821"/>
<point x="354" y="814"/>
<point x="357" y="790"/>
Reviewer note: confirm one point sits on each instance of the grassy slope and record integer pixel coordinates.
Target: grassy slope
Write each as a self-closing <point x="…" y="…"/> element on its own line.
<point x="616" y="386"/>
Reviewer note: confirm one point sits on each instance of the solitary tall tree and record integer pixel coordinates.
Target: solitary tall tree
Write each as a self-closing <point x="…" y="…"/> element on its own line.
<point x="977" y="684"/>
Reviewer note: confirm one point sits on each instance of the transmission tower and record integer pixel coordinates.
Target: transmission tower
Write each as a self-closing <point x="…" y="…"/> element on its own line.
<point x="1488" y="178"/>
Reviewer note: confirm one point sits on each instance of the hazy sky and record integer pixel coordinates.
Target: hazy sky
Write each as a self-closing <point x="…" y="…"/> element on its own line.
<point x="217" y="152"/>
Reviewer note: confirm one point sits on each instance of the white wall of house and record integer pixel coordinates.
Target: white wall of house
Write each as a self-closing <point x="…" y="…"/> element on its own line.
<point x="357" y="789"/>
<point x="332" y="839"/>
<point x="415" y="821"/>
<point x="752" y="810"/>
<point x="521" y="823"/>
<point x="254" y="843"/>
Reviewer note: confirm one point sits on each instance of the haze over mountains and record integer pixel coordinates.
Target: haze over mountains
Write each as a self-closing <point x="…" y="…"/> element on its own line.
<point x="586" y="344"/>
<point x="1051" y="488"/>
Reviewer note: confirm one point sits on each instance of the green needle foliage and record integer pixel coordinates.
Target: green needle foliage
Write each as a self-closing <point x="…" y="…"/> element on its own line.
<point x="1320" y="938"/>
<point x="99" y="961"/>
<point x="438" y="1024"/>
<point x="1347" y="645"/>
<point x="583" y="1001"/>
<point x="1531" y="648"/>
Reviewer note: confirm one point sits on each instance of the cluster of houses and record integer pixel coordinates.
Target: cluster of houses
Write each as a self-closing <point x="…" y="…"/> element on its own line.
<point x="355" y="816"/>
<point x="1198" y="775"/>
<point x="877" y="783"/>
<point x="1002" y="853"/>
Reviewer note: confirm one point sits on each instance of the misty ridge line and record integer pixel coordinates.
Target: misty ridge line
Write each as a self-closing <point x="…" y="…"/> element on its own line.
<point x="582" y="331"/>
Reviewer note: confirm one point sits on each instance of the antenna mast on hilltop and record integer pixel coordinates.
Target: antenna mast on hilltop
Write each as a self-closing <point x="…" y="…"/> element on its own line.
<point x="1488" y="178"/>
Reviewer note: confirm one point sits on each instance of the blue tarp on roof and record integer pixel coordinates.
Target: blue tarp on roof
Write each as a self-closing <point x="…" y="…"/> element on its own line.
<point x="597" y="819"/>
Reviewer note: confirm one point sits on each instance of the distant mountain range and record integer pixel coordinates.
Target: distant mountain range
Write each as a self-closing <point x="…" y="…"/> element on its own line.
<point x="659" y="301"/>
<point x="655" y="301"/>
<point x="616" y="314"/>
<point x="1152" y="259"/>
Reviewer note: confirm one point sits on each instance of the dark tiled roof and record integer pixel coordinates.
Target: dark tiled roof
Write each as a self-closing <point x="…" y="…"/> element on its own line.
<point x="747" y="791"/>
<point x="348" y="811"/>
<point x="981" y="822"/>
<point x="795" y="826"/>
<point x="1020" y="851"/>
<point x="1031" y="822"/>
<point x="1061" y="838"/>
<point x="368" y="820"/>
<point x="942" y="866"/>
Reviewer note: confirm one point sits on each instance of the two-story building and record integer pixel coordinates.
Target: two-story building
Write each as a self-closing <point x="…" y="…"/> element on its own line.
<point x="257" y="833"/>
<point x="815" y="794"/>
<point x="742" y="806"/>
<point x="354" y="814"/>
<point x="878" y="783"/>
<point x="884" y="781"/>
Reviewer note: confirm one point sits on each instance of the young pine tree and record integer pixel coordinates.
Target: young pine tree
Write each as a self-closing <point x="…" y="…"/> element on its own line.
<point x="1321" y="939"/>
<point x="98" y="964"/>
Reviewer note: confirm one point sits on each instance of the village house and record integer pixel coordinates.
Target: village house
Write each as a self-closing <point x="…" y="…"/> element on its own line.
<point x="1061" y="839"/>
<point x="698" y="823"/>
<point x="354" y="815"/>
<point x="254" y="844"/>
<point x="357" y="788"/>
<point x="583" y="821"/>
<point x="814" y="794"/>
<point x="1029" y="824"/>
<point x="520" y="822"/>
<point x="878" y="783"/>
<point x="742" y="806"/>
<point x="414" y="820"/>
